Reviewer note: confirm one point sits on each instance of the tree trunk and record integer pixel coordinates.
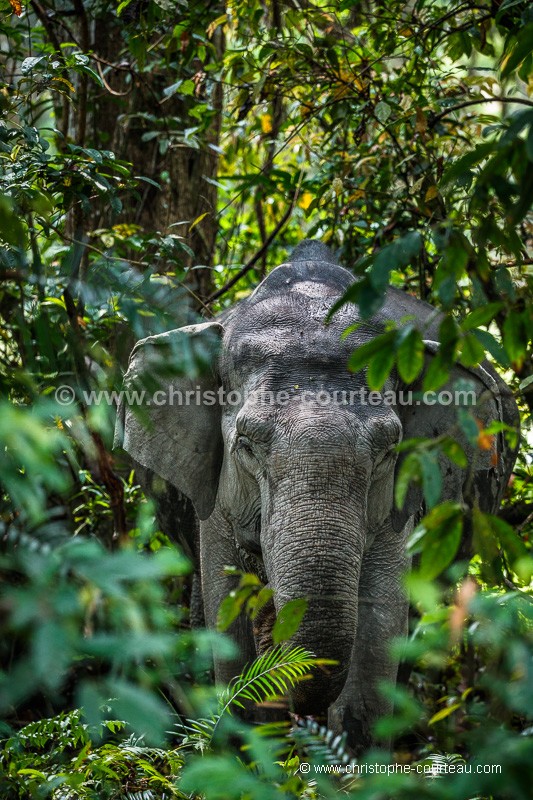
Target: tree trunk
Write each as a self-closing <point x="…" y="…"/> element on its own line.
<point x="132" y="116"/>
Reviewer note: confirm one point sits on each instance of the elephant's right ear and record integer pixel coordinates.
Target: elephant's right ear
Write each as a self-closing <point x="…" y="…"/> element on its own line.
<point x="169" y="422"/>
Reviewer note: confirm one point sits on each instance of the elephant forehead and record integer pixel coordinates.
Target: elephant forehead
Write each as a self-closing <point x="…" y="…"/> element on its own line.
<point x="301" y="346"/>
<point x="292" y="327"/>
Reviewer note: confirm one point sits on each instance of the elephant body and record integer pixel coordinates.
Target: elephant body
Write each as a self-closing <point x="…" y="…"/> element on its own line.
<point x="292" y="476"/>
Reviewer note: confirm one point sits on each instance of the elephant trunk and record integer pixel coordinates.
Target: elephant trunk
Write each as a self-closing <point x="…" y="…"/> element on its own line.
<point x="317" y="556"/>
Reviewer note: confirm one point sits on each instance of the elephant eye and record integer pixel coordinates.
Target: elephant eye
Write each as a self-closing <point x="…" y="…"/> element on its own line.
<point x="243" y="445"/>
<point x="386" y="458"/>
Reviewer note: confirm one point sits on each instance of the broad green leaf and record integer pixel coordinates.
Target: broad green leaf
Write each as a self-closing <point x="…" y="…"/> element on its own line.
<point x="409" y="472"/>
<point x="440" y="547"/>
<point x="526" y="382"/>
<point x="410" y="358"/>
<point x="510" y="541"/>
<point x="468" y="425"/>
<point x="288" y="620"/>
<point x="472" y="352"/>
<point x="529" y="144"/>
<point x="431" y="477"/>
<point x="437" y="374"/>
<point x="464" y="164"/>
<point x="481" y="316"/>
<point x="29" y="64"/>
<point x="486" y="545"/>
<point x="379" y="368"/>
<point x="515" y="336"/>
<point x="522" y="49"/>
<point x="455" y="452"/>
<point x="449" y="334"/>
<point x="394" y="256"/>
<point x="231" y="607"/>
<point x="259" y="601"/>
<point x="141" y="709"/>
<point x="382" y="111"/>
<point x="492" y="346"/>
<point x="361" y="357"/>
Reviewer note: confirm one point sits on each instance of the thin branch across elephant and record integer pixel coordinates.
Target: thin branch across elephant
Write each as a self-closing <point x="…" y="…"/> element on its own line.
<point x="290" y="474"/>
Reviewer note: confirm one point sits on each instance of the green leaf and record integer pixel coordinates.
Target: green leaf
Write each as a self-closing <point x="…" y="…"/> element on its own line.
<point x="141" y="709"/>
<point x="394" y="256"/>
<point x="472" y="352"/>
<point x="382" y="111"/>
<point x="255" y="604"/>
<point x="361" y="357"/>
<point x="486" y="545"/>
<point x="270" y="675"/>
<point x="379" y="368"/>
<point x="124" y="4"/>
<point x="522" y="49"/>
<point x="526" y="382"/>
<point x="463" y="165"/>
<point x="492" y="346"/>
<point x="231" y="606"/>
<point x="529" y="144"/>
<point x="441" y="543"/>
<point x="410" y="471"/>
<point x="481" y="316"/>
<point x="449" y="333"/>
<point x="468" y="425"/>
<point x="455" y="452"/>
<point x="511" y="543"/>
<point x="29" y="64"/>
<point x="443" y="713"/>
<point x="288" y="620"/>
<point x="515" y="337"/>
<point x="437" y="374"/>
<point x="410" y="358"/>
<point x="431" y="477"/>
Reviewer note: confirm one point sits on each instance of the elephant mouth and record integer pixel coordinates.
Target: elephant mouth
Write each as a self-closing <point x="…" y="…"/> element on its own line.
<point x="251" y="562"/>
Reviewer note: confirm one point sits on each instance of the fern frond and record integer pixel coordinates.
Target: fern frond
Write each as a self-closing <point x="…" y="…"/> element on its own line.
<point x="321" y="743"/>
<point x="270" y="675"/>
<point x="438" y="763"/>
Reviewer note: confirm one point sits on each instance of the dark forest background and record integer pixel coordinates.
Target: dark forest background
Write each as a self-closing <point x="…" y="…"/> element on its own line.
<point x="157" y="159"/>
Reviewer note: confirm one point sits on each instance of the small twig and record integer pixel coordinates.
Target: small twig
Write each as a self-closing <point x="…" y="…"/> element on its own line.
<point x="255" y="258"/>
<point x="107" y="86"/>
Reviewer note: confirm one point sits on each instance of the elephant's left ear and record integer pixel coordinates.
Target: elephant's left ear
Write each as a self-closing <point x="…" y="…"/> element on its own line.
<point x="433" y="414"/>
<point x="169" y="421"/>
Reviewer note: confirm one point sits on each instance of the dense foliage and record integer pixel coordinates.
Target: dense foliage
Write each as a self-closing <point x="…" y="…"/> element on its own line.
<point x="157" y="158"/>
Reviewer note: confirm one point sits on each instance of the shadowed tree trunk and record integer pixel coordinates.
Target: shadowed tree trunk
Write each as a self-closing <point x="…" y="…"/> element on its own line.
<point x="142" y="120"/>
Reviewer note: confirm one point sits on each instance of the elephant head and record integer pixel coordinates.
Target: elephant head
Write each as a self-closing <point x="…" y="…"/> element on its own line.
<point x="289" y="471"/>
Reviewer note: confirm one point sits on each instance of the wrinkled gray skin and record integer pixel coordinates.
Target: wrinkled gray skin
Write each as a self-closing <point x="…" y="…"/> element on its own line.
<point x="302" y="494"/>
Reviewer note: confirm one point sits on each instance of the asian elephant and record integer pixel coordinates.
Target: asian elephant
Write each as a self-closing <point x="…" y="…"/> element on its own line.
<point x="275" y="464"/>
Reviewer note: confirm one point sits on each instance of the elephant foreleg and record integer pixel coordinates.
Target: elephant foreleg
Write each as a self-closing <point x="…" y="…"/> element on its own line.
<point x="382" y="615"/>
<point x="217" y="551"/>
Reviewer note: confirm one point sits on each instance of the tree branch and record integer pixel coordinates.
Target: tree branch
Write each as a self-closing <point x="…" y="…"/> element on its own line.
<point x="84" y="86"/>
<point x="255" y="258"/>
<point x="518" y="100"/>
